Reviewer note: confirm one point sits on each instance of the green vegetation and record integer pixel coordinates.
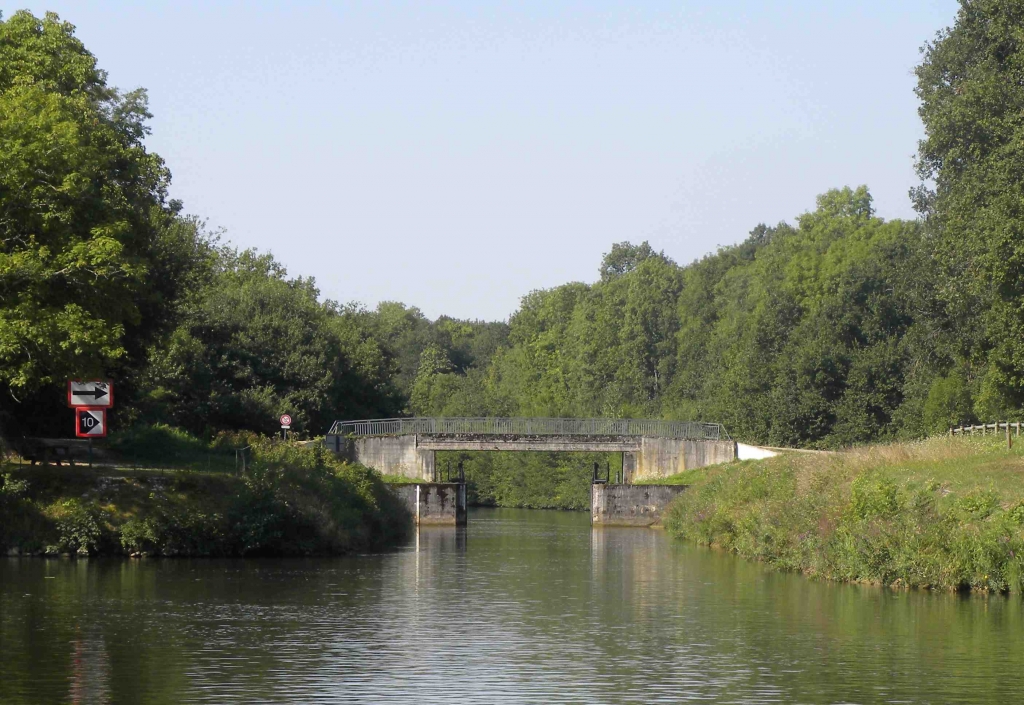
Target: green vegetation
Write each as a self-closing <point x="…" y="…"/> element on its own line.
<point x="946" y="513"/>
<point x="530" y="480"/>
<point x="290" y="501"/>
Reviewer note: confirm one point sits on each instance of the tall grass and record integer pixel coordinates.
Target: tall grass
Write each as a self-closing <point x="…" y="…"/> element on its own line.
<point x="291" y="500"/>
<point x="945" y="513"/>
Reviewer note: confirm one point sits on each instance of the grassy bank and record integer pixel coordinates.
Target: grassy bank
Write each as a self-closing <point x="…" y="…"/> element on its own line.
<point x="291" y="500"/>
<point x="943" y="513"/>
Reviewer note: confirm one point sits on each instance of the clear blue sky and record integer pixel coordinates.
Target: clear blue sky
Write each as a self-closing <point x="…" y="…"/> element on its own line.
<point x="457" y="155"/>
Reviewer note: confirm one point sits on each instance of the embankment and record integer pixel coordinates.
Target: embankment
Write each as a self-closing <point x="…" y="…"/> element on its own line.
<point x="290" y="501"/>
<point x="946" y="513"/>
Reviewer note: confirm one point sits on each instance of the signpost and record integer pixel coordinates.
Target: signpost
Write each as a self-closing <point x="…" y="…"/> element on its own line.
<point x="286" y="423"/>
<point x="90" y="399"/>
<point x="91" y="423"/>
<point x="94" y="394"/>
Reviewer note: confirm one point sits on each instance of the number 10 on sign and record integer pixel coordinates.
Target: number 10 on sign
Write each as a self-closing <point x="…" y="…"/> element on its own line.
<point x="90" y="423"/>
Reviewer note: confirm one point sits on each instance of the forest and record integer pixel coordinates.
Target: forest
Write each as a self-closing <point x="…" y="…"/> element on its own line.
<point x="835" y="329"/>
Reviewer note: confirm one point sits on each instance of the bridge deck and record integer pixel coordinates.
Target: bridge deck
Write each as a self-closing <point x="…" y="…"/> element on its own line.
<point x="502" y="426"/>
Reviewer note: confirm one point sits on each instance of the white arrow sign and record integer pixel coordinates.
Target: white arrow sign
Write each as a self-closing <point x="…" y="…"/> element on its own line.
<point x="90" y="423"/>
<point x="95" y="394"/>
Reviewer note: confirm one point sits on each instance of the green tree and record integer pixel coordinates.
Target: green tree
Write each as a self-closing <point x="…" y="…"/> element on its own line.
<point x="971" y="86"/>
<point x="82" y="205"/>
<point x="254" y="344"/>
<point x="948" y="404"/>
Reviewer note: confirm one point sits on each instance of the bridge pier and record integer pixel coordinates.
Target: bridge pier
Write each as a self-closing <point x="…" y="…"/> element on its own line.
<point x="631" y="505"/>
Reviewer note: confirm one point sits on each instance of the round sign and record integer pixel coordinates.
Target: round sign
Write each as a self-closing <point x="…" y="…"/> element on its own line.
<point x="286" y="420"/>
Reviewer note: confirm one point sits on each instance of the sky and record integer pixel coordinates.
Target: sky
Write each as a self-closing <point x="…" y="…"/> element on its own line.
<point x="457" y="155"/>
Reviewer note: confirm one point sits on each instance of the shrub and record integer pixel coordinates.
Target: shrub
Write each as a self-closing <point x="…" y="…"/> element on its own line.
<point x="78" y="527"/>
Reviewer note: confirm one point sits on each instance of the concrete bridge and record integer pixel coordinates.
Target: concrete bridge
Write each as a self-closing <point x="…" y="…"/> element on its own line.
<point x="650" y="448"/>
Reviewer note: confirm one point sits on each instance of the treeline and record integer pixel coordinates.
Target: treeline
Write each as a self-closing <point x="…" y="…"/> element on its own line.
<point x="839" y="328"/>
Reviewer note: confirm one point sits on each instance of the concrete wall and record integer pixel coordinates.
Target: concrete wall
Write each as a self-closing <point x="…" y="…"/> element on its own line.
<point x="631" y="505"/>
<point x="435" y="503"/>
<point x="393" y="455"/>
<point x="661" y="457"/>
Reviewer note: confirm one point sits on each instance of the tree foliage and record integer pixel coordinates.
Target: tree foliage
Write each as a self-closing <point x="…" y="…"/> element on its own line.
<point x="254" y="344"/>
<point x="82" y="206"/>
<point x="971" y="86"/>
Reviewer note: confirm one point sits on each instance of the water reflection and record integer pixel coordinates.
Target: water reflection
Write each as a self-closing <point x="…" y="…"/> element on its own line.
<point x="519" y="606"/>
<point x="90" y="671"/>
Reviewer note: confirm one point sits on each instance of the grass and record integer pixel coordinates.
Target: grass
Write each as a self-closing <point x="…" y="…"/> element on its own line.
<point x="292" y="500"/>
<point x="944" y="513"/>
<point x="400" y="480"/>
<point x="162" y="446"/>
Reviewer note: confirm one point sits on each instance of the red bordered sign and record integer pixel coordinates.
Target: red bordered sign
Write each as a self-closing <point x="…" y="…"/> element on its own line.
<point x="92" y="394"/>
<point x="91" y="423"/>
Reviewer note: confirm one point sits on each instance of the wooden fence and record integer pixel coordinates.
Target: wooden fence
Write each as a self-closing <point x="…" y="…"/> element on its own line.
<point x="984" y="428"/>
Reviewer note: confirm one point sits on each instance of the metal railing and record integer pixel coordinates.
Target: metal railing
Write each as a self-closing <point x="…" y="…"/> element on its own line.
<point x="688" y="430"/>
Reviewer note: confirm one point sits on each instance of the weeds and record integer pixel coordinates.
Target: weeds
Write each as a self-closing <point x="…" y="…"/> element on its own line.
<point x="942" y="513"/>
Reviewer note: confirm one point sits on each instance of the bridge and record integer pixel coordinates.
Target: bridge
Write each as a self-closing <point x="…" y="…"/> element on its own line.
<point x="650" y="448"/>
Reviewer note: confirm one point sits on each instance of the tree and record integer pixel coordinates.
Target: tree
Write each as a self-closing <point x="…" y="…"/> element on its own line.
<point x="82" y="205"/>
<point x="971" y="86"/>
<point x="624" y="257"/>
<point x="254" y="344"/>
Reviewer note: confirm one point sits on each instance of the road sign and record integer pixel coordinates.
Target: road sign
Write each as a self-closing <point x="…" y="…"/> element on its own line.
<point x="286" y="421"/>
<point x="90" y="423"/>
<point x="95" y="394"/>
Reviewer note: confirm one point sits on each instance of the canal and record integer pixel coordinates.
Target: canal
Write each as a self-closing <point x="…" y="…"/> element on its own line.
<point x="521" y="606"/>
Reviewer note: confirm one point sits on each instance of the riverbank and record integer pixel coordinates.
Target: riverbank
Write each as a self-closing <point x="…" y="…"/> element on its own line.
<point x="290" y="501"/>
<point x="944" y="513"/>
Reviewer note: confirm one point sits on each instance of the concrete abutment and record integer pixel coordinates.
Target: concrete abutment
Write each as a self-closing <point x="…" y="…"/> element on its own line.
<point x="631" y="505"/>
<point x="434" y="503"/>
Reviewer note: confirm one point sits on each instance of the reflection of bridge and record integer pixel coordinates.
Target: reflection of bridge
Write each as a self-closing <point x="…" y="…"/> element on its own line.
<point x="649" y="447"/>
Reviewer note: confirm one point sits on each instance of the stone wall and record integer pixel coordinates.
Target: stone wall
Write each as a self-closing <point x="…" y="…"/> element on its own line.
<point x="631" y="505"/>
<point x="434" y="503"/>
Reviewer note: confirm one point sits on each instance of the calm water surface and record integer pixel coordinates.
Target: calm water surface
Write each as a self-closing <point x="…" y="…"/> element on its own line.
<point x="523" y="606"/>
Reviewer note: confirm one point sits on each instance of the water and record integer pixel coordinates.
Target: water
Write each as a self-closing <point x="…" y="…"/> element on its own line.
<point x="523" y="606"/>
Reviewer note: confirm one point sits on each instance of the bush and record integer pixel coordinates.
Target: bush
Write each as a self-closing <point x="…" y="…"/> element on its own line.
<point x="78" y="527"/>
